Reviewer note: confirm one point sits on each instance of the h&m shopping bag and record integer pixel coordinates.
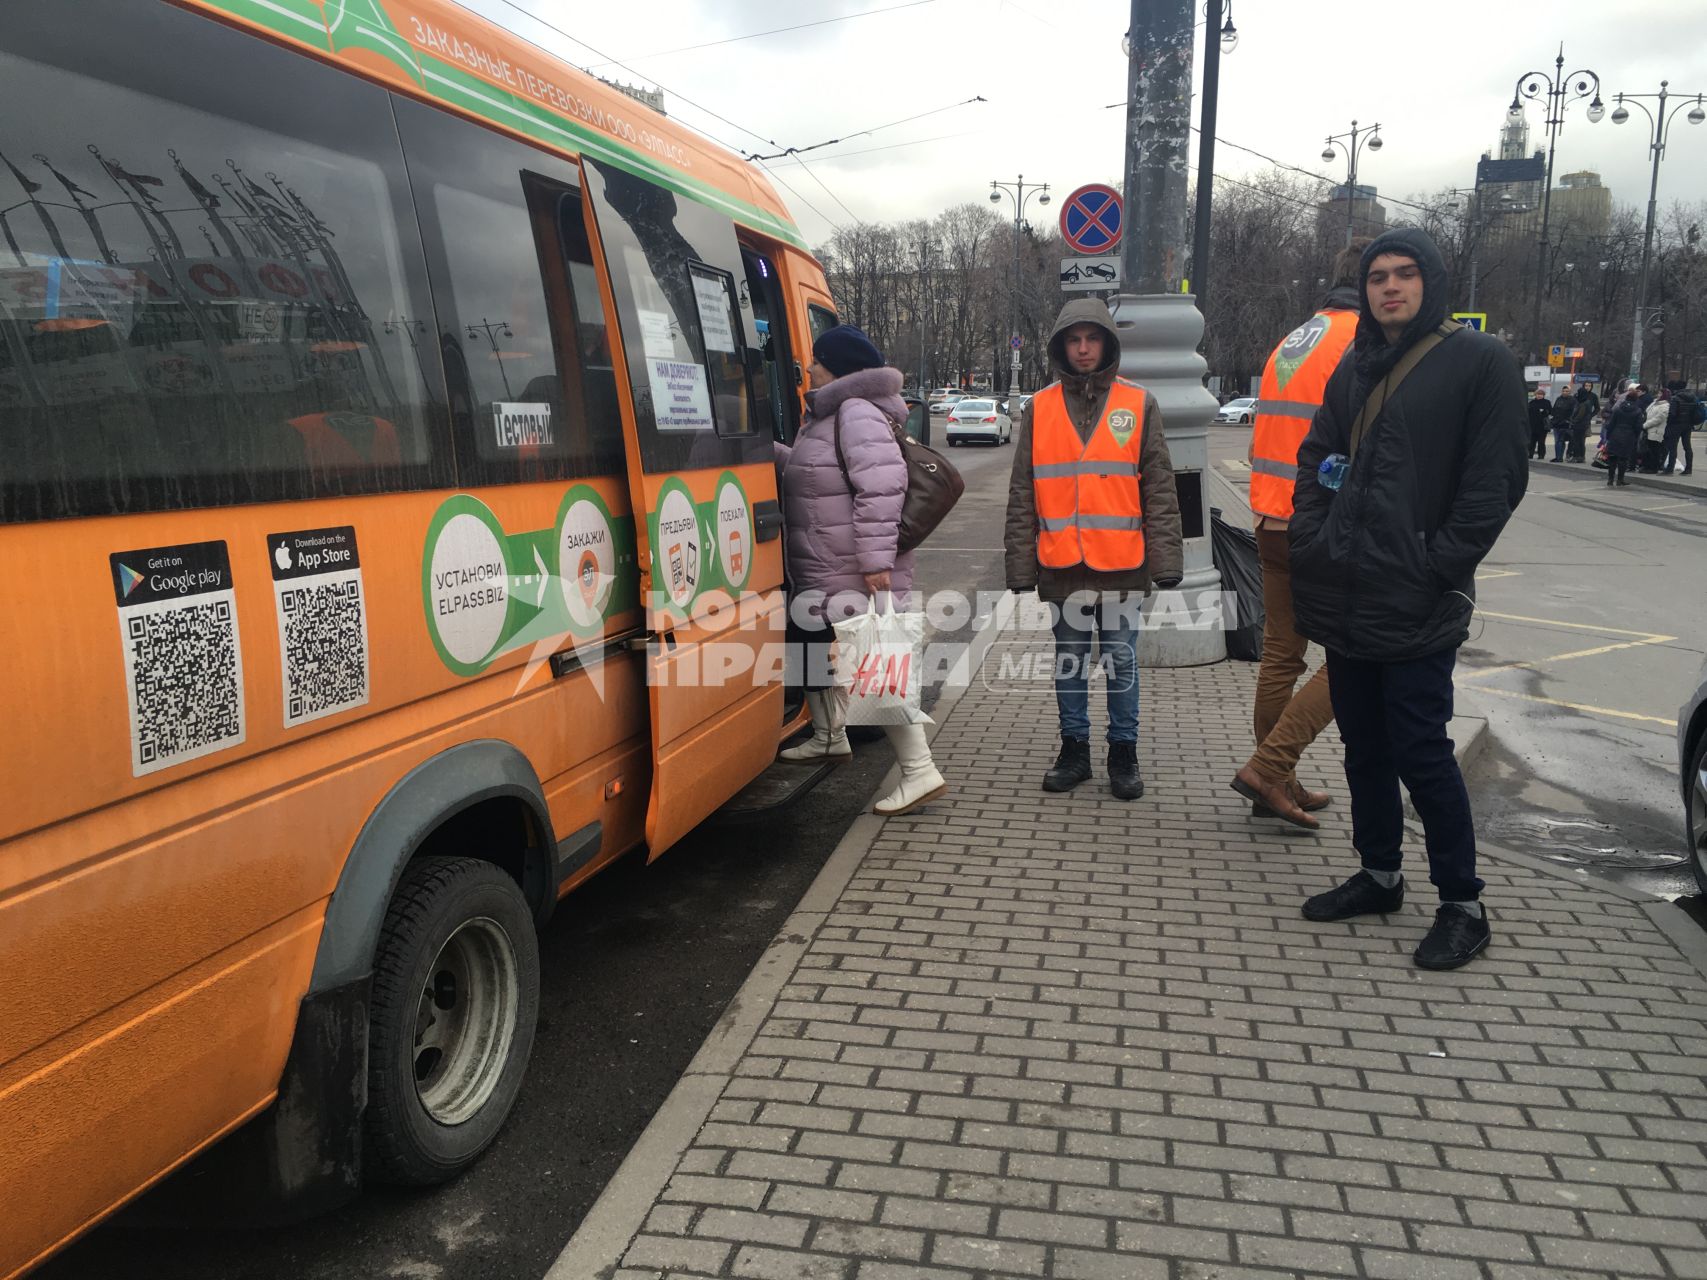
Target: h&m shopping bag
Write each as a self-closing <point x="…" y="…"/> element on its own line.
<point x="878" y="666"/>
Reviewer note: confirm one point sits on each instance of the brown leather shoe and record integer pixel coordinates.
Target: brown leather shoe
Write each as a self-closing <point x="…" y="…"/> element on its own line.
<point x="1307" y="800"/>
<point x="1272" y="795"/>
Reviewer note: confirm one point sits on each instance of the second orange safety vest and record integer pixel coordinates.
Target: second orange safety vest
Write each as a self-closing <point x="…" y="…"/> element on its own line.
<point x="1293" y="382"/>
<point x="1090" y="509"/>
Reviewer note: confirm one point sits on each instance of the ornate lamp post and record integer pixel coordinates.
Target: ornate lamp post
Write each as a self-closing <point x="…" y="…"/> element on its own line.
<point x="1660" y="117"/>
<point x="1020" y="192"/>
<point x="1351" y="143"/>
<point x="1555" y="92"/>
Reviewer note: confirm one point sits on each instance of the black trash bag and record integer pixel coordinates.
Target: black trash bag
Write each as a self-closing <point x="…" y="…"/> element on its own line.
<point x="1235" y="554"/>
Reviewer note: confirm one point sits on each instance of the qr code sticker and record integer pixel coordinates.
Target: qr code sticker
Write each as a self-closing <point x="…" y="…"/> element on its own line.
<point x="323" y="642"/>
<point x="185" y="674"/>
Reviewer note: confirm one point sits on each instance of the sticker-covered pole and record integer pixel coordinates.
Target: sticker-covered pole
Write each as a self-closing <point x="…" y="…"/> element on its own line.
<point x="1159" y="327"/>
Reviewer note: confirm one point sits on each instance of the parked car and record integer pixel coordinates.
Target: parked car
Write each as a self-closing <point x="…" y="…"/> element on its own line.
<point x="1692" y="766"/>
<point x="979" y="420"/>
<point x="940" y="392"/>
<point x="944" y="402"/>
<point x="1242" y="411"/>
<point x="1014" y="405"/>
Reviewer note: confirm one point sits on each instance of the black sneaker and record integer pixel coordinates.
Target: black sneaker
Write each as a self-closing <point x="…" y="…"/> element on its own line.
<point x="1362" y="895"/>
<point x="1123" y="776"/>
<point x="1071" y="767"/>
<point x="1454" y="940"/>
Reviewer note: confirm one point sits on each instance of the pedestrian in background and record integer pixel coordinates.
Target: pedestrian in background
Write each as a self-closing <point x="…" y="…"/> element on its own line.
<point x="1623" y="436"/>
<point x="841" y="533"/>
<point x="1685" y="414"/>
<point x="1540" y="417"/>
<point x="1582" y="414"/>
<point x="1564" y="408"/>
<point x="1286" y="722"/>
<point x="1093" y="521"/>
<point x="1654" y="420"/>
<point x="1423" y="429"/>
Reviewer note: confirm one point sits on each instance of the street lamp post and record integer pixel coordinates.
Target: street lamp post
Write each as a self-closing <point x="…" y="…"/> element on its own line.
<point x="1555" y="92"/>
<point x="1351" y="143"/>
<point x="1219" y="36"/>
<point x="493" y="329"/>
<point x="1020" y="191"/>
<point x="1661" y="122"/>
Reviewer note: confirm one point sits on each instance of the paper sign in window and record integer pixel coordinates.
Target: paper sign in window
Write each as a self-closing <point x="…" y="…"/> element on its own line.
<point x="713" y="300"/>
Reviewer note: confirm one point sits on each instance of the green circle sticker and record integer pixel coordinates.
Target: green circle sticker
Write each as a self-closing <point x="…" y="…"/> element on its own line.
<point x="465" y="583"/>
<point x="734" y="532"/>
<point x="586" y="559"/>
<point x="678" y="551"/>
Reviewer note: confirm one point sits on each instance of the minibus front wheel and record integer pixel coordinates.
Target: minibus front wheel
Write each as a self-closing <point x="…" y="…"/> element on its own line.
<point x="455" y="1000"/>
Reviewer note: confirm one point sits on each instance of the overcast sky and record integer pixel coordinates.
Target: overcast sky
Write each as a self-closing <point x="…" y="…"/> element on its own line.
<point x="1437" y="78"/>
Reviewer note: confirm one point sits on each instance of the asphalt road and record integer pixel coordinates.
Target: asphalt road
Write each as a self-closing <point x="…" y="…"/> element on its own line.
<point x="1588" y="636"/>
<point x="635" y="970"/>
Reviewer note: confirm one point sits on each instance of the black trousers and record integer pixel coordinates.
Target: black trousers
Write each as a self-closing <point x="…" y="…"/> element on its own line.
<point x="1538" y="441"/>
<point x="1679" y="437"/>
<point x="1392" y="719"/>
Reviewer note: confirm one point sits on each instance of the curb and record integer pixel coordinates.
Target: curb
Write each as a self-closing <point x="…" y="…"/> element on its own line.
<point x="1667" y="485"/>
<point x="616" y="1217"/>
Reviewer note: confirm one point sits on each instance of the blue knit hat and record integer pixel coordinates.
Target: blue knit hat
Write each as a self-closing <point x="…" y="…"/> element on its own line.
<point x="844" y="350"/>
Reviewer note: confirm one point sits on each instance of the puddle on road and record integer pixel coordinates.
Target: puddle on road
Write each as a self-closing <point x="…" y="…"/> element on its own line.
<point x="1577" y="839"/>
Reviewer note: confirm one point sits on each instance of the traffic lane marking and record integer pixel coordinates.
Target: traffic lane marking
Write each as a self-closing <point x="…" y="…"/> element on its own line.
<point x="1539" y="663"/>
<point x="1647" y="637"/>
<point x="1584" y="707"/>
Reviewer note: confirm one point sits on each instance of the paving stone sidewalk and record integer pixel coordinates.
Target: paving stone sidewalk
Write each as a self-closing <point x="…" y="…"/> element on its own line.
<point x="1035" y="1035"/>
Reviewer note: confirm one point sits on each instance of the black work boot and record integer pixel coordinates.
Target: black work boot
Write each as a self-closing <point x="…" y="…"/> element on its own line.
<point x="1071" y="767"/>
<point x="1123" y="776"/>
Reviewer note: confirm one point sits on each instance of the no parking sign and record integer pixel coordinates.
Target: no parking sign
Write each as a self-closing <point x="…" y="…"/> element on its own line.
<point x="1090" y="218"/>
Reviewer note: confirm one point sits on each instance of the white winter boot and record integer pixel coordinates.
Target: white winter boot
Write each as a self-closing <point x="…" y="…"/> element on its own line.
<point x="920" y="781"/>
<point x="829" y="736"/>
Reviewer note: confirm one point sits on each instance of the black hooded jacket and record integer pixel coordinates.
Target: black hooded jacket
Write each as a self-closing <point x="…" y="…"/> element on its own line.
<point x="1383" y="569"/>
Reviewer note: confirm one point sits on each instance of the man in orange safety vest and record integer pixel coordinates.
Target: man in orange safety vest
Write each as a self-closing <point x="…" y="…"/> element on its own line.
<point x="1293" y="381"/>
<point x="1093" y="523"/>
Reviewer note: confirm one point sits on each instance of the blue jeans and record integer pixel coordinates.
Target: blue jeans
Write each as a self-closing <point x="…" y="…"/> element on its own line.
<point x="1114" y="619"/>
<point x="1392" y="718"/>
<point x="1561" y="441"/>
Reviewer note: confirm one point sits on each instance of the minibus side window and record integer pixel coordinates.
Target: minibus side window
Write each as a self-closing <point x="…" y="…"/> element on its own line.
<point x="204" y="289"/>
<point x="519" y="395"/>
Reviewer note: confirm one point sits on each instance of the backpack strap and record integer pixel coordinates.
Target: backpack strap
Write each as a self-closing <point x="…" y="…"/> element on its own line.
<point x="1378" y="397"/>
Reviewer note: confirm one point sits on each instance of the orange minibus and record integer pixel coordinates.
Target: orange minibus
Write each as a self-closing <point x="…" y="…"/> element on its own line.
<point x="391" y="536"/>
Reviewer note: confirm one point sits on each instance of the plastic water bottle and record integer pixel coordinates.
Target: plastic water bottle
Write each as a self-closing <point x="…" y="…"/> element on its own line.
<point x="1331" y="474"/>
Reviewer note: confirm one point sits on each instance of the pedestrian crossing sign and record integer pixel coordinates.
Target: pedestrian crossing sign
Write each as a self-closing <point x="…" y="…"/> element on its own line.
<point x="1477" y="320"/>
<point x="1556" y="355"/>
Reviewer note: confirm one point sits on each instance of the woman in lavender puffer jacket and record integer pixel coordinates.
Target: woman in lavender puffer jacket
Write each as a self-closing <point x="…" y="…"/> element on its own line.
<point x="839" y="541"/>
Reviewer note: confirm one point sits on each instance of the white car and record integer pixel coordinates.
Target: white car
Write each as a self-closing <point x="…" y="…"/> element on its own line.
<point x="1243" y="411"/>
<point x="979" y="420"/>
<point x="945" y="401"/>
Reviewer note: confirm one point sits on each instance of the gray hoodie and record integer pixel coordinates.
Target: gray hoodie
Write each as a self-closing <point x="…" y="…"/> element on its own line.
<point x="1085" y="395"/>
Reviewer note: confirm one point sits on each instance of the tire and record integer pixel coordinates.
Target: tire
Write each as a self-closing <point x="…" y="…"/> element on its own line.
<point x="1695" y="800"/>
<point x="1244" y="419"/>
<point x="455" y="1000"/>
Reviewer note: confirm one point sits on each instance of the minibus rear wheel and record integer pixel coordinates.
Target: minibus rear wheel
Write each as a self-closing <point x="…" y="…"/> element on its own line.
<point x="455" y="1000"/>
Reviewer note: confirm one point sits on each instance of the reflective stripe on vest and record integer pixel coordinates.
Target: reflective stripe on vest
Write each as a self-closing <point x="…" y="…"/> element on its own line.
<point x="1293" y="382"/>
<point x="1090" y="508"/>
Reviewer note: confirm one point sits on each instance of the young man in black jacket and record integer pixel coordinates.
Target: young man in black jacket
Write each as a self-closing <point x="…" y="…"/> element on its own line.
<point x="1383" y="570"/>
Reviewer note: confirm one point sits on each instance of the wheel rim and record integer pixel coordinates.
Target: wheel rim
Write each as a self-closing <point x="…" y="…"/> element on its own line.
<point x="466" y="1021"/>
<point x="1698" y="817"/>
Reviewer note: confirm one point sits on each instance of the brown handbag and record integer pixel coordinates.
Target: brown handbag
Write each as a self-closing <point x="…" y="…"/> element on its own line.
<point x="933" y="485"/>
